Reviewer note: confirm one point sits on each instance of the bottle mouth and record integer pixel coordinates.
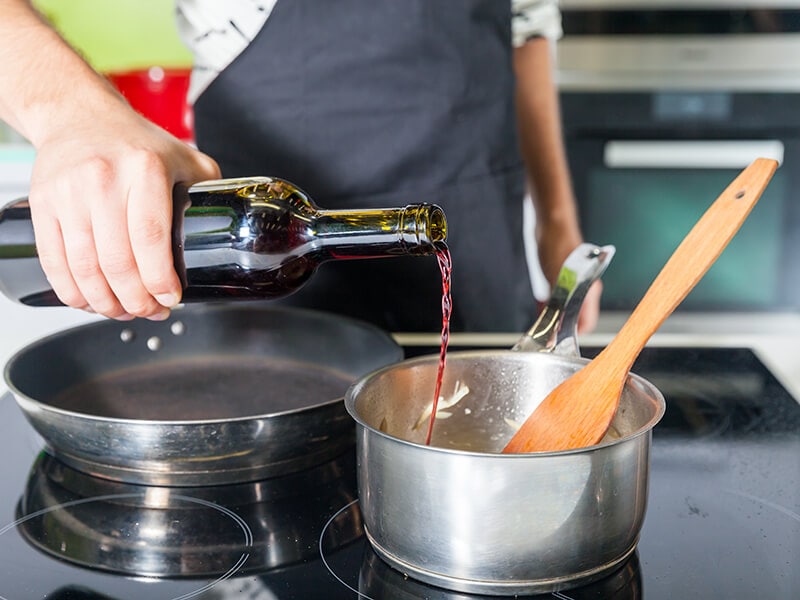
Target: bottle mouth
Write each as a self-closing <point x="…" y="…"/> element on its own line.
<point x="423" y="226"/>
<point x="437" y="224"/>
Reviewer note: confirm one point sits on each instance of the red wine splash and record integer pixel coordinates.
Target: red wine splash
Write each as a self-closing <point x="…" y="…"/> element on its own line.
<point x="446" y="267"/>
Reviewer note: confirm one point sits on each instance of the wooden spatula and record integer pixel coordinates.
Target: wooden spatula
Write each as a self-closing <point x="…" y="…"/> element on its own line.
<point x="578" y="412"/>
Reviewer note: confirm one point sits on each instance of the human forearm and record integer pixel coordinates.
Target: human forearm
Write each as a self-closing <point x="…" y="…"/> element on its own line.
<point x="101" y="189"/>
<point x="39" y="73"/>
<point x="541" y="138"/>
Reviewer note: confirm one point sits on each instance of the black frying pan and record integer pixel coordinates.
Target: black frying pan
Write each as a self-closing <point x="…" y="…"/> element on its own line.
<point x="215" y="394"/>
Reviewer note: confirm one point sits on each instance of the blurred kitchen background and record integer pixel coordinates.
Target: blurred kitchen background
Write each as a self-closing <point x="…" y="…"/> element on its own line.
<point x="661" y="108"/>
<point x="663" y="103"/>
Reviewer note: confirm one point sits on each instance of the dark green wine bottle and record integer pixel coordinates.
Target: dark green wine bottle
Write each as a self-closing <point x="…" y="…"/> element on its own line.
<point x="258" y="237"/>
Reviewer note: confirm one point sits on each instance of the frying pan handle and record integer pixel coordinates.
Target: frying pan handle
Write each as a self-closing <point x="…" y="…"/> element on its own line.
<point x="556" y="328"/>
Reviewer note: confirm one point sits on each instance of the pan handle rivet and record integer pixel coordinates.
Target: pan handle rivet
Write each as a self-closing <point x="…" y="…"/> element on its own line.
<point x="127" y="335"/>
<point x="177" y="328"/>
<point x="154" y="343"/>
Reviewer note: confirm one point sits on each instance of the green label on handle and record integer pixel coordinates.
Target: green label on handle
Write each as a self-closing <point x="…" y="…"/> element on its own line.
<point x="567" y="278"/>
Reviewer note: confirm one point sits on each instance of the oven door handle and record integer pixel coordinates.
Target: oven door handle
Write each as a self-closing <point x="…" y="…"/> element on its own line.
<point x="689" y="154"/>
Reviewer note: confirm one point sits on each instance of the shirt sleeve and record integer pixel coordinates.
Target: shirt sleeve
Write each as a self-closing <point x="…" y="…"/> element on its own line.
<point x="535" y="18"/>
<point x="217" y="32"/>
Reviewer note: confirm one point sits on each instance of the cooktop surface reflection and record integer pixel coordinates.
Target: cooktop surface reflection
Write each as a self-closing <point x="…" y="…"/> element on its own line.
<point x="723" y="519"/>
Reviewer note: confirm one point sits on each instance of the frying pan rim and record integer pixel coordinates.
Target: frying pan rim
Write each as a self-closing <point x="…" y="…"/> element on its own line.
<point x="172" y="423"/>
<point x="34" y="404"/>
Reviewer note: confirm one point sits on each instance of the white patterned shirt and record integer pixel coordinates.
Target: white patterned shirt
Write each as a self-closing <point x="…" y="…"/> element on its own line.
<point x="217" y="31"/>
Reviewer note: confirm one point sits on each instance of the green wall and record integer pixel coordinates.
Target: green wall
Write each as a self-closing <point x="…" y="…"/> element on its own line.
<point x="119" y="35"/>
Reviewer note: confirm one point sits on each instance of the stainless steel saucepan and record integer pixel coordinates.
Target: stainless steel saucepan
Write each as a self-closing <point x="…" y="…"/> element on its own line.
<point x="459" y="514"/>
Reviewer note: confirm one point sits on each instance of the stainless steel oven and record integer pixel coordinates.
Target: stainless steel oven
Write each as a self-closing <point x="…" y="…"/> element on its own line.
<point x="663" y="104"/>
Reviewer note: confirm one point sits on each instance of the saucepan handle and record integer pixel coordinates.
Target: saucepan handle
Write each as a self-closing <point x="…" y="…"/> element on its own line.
<point x="556" y="328"/>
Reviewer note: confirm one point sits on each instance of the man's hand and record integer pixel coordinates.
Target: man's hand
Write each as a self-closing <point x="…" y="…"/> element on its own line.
<point x="101" y="203"/>
<point x="554" y="246"/>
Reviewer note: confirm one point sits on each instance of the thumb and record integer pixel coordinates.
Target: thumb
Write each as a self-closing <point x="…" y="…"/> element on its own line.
<point x="204" y="167"/>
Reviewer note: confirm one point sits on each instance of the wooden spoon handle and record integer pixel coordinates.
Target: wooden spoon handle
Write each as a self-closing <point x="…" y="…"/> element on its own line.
<point x="694" y="256"/>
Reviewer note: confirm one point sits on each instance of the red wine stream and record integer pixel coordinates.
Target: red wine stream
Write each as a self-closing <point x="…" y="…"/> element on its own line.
<point x="446" y="267"/>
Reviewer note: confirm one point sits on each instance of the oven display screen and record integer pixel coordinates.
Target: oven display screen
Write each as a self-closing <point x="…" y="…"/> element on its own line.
<point x="646" y="213"/>
<point x="692" y="21"/>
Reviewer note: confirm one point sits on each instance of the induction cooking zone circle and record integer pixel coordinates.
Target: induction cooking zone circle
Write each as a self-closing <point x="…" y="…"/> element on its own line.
<point x="195" y="538"/>
<point x="374" y="579"/>
<point x="45" y="524"/>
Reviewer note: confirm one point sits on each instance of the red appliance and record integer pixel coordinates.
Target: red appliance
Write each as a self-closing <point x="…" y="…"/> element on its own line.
<point x="160" y="95"/>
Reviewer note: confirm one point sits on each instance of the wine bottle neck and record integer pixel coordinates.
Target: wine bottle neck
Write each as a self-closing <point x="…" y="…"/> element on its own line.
<point x="414" y="229"/>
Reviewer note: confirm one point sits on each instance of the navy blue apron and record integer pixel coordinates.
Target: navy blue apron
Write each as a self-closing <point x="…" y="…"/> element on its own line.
<point x="383" y="103"/>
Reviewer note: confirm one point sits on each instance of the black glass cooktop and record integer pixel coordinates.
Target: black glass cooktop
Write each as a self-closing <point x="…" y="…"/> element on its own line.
<point x="723" y="518"/>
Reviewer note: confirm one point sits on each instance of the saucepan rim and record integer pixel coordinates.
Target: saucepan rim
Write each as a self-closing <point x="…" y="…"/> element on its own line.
<point x="352" y="393"/>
